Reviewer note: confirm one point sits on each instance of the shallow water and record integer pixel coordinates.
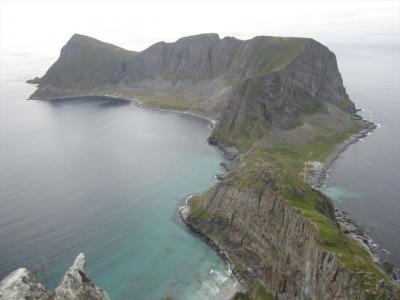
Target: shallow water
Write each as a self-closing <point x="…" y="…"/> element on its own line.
<point x="104" y="178"/>
<point x="364" y="181"/>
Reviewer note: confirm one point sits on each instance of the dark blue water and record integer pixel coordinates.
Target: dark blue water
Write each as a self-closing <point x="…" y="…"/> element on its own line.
<point x="104" y="177"/>
<point x="365" y="180"/>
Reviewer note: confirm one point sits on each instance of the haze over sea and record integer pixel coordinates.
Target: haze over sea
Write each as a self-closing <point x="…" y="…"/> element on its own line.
<point x="105" y="177"/>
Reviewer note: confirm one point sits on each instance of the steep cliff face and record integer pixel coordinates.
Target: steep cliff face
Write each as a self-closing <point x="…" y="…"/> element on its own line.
<point x="75" y="285"/>
<point x="280" y="98"/>
<point x="270" y="241"/>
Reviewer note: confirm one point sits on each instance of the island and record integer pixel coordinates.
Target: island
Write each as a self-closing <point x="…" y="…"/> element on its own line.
<point x="282" y="116"/>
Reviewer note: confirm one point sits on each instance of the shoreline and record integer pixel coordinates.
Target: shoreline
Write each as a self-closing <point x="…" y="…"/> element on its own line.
<point x="318" y="179"/>
<point x="238" y="287"/>
<point x="348" y="226"/>
<point x="136" y="102"/>
<point x="183" y="212"/>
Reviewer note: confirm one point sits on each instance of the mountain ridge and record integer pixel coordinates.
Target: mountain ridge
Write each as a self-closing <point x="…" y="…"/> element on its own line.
<point x="203" y="73"/>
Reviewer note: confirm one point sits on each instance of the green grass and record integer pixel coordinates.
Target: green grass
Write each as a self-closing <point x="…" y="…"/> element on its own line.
<point x="85" y="68"/>
<point x="196" y="211"/>
<point x="278" y="52"/>
<point x="256" y="293"/>
<point x="293" y="157"/>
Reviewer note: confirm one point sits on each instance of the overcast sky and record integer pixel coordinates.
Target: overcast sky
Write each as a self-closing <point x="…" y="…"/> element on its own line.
<point x="45" y="26"/>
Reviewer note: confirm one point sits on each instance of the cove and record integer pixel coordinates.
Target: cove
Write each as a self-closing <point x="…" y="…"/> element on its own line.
<point x="104" y="177"/>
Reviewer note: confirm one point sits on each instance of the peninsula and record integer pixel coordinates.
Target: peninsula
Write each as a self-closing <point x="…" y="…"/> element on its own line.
<point x="281" y="110"/>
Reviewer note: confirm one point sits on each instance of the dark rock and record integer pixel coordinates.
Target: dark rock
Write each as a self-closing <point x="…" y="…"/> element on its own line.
<point x="35" y="80"/>
<point x="296" y="192"/>
<point x="212" y="140"/>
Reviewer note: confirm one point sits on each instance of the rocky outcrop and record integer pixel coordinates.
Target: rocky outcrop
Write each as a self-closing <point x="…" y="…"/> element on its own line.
<point x="75" y="285"/>
<point x="269" y="241"/>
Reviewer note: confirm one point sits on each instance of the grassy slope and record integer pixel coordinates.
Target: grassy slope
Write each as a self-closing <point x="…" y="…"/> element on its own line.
<point x="278" y="52"/>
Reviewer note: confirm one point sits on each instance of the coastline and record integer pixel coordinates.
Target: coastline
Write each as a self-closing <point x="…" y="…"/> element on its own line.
<point x="316" y="180"/>
<point x="347" y="225"/>
<point x="319" y="176"/>
<point x="351" y="228"/>
<point x="183" y="212"/>
<point x="226" y="153"/>
<point x="136" y="102"/>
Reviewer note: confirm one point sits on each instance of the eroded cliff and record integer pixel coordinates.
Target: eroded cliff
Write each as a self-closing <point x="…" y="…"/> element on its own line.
<point x="282" y="234"/>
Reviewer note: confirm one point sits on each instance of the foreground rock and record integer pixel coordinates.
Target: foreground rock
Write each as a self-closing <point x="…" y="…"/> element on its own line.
<point x="75" y="285"/>
<point x="21" y="284"/>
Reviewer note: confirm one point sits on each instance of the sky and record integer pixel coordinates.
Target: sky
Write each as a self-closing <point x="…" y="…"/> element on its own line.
<point x="45" y="26"/>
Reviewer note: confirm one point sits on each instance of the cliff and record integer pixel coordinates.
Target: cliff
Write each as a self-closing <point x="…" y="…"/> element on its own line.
<point x="283" y="235"/>
<point x="75" y="285"/>
<point x="204" y="73"/>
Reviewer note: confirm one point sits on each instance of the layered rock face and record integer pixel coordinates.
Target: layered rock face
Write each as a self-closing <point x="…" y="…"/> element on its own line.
<point x="75" y="285"/>
<point x="280" y="97"/>
<point x="269" y="241"/>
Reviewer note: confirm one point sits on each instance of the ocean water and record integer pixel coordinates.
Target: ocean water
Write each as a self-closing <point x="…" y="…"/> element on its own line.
<point x="365" y="180"/>
<point x="104" y="177"/>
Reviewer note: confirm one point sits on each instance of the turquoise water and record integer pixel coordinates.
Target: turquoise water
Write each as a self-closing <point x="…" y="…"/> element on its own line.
<point x="339" y="194"/>
<point x="105" y="178"/>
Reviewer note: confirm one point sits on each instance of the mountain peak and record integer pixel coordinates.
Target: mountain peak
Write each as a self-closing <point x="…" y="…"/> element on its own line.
<point x="202" y="36"/>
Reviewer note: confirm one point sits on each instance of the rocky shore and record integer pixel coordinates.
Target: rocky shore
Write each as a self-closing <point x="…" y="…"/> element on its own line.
<point x="317" y="178"/>
<point x="184" y="214"/>
<point x="317" y="175"/>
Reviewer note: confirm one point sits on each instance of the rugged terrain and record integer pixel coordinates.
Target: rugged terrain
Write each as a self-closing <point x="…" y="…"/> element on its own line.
<point x="280" y="104"/>
<point x="22" y="284"/>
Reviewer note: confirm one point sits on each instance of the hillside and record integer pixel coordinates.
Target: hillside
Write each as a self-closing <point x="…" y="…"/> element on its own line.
<point x="282" y="103"/>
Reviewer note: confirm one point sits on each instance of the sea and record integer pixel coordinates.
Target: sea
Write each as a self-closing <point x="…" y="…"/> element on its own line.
<point x="106" y="178"/>
<point x="365" y="181"/>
